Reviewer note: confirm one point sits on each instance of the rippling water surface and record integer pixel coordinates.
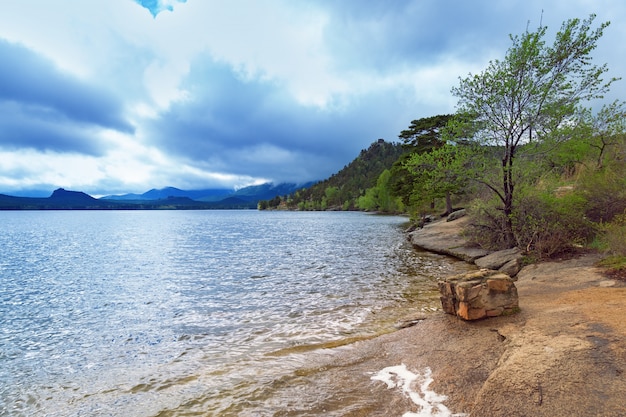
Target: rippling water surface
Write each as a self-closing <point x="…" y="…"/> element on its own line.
<point x="146" y="313"/>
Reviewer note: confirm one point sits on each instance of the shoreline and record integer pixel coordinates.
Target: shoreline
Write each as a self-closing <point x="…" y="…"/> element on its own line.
<point x="563" y="354"/>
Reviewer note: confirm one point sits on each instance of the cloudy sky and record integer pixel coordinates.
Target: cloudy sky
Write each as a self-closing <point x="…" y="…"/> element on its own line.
<point x="126" y="95"/>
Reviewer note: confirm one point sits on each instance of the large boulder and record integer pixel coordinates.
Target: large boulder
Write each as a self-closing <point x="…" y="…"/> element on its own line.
<point x="478" y="295"/>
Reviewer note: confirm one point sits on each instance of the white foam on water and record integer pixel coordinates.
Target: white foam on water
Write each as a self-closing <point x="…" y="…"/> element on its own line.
<point x="415" y="386"/>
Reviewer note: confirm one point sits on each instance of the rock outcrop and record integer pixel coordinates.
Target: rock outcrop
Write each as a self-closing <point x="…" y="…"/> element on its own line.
<point x="445" y="238"/>
<point x="478" y="295"/>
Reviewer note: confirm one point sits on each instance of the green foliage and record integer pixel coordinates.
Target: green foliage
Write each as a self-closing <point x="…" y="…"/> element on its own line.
<point x="613" y="240"/>
<point x="544" y="223"/>
<point x="485" y="230"/>
<point x="423" y="135"/>
<point x="379" y="198"/>
<point x="605" y="192"/>
<point x="597" y="141"/>
<point x="532" y="96"/>
<point x="614" y="236"/>
<point x="440" y="172"/>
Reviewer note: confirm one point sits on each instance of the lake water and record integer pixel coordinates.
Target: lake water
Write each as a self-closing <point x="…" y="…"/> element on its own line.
<point x="183" y="313"/>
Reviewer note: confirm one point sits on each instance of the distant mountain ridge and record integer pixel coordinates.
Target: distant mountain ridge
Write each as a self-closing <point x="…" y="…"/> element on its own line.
<point x="160" y="194"/>
<point x="252" y="193"/>
<point x="165" y="198"/>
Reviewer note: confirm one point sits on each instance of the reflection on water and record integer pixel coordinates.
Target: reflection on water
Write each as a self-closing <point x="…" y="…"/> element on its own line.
<point x="193" y="313"/>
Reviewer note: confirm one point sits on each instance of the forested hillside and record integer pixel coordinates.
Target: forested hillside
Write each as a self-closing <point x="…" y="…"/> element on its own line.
<point x="342" y="190"/>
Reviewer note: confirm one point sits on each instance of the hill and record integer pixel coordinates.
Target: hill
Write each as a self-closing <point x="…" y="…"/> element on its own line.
<point x="343" y="189"/>
<point x="60" y="199"/>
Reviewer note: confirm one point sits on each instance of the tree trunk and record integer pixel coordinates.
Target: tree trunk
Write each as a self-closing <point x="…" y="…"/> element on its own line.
<point x="448" y="203"/>
<point x="508" y="186"/>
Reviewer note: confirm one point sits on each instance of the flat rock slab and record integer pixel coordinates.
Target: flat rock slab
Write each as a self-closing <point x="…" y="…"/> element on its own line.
<point x="445" y="238"/>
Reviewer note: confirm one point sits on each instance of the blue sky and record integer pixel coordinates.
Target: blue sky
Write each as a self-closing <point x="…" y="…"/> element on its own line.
<point x="123" y="96"/>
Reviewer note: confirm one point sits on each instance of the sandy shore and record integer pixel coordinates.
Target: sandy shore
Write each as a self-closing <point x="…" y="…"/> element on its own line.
<point x="564" y="354"/>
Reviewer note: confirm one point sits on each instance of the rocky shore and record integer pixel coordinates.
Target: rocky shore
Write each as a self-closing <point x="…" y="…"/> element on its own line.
<point x="562" y="355"/>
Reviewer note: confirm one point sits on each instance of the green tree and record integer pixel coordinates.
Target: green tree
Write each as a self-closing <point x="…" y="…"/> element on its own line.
<point x="598" y="140"/>
<point x="607" y="129"/>
<point x="379" y="197"/>
<point x="425" y="133"/>
<point x="533" y="95"/>
<point x="422" y="135"/>
<point x="441" y="172"/>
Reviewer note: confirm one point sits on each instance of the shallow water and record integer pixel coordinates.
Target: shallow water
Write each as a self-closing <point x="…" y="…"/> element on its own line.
<point x="176" y="313"/>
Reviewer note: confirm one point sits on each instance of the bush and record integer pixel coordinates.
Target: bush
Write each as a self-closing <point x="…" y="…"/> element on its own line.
<point x="613" y="236"/>
<point x="605" y="192"/>
<point x="547" y="225"/>
<point x="544" y="225"/>
<point x="486" y="229"/>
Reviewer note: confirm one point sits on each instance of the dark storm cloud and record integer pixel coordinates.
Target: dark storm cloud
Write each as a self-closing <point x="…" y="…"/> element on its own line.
<point x="253" y="127"/>
<point x="387" y="35"/>
<point x="44" y="108"/>
<point x="25" y="126"/>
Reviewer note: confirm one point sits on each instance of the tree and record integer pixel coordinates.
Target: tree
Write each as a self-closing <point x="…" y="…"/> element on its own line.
<point x="530" y="96"/>
<point x="379" y="197"/>
<point x="598" y="139"/>
<point x="422" y="136"/>
<point x="607" y="128"/>
<point x="425" y="133"/>
<point x="441" y="172"/>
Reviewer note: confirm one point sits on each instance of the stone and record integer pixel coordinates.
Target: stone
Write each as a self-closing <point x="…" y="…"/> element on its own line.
<point x="446" y="238"/>
<point x="511" y="268"/>
<point x="478" y="295"/>
<point x="456" y="215"/>
<point x="497" y="259"/>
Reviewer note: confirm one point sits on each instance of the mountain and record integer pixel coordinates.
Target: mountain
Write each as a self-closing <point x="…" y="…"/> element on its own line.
<point x="77" y="198"/>
<point x="342" y="190"/>
<point x="60" y="199"/>
<point x="268" y="191"/>
<point x="165" y="198"/>
<point x="159" y="194"/>
<point x="250" y="195"/>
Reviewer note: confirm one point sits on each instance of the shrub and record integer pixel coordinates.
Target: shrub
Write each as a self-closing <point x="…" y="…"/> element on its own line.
<point x="605" y="192"/>
<point x="547" y="225"/>
<point x="486" y="229"/>
<point x="544" y="225"/>
<point x="613" y="236"/>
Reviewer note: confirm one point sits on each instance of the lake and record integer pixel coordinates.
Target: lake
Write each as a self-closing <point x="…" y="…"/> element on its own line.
<point x="183" y="313"/>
